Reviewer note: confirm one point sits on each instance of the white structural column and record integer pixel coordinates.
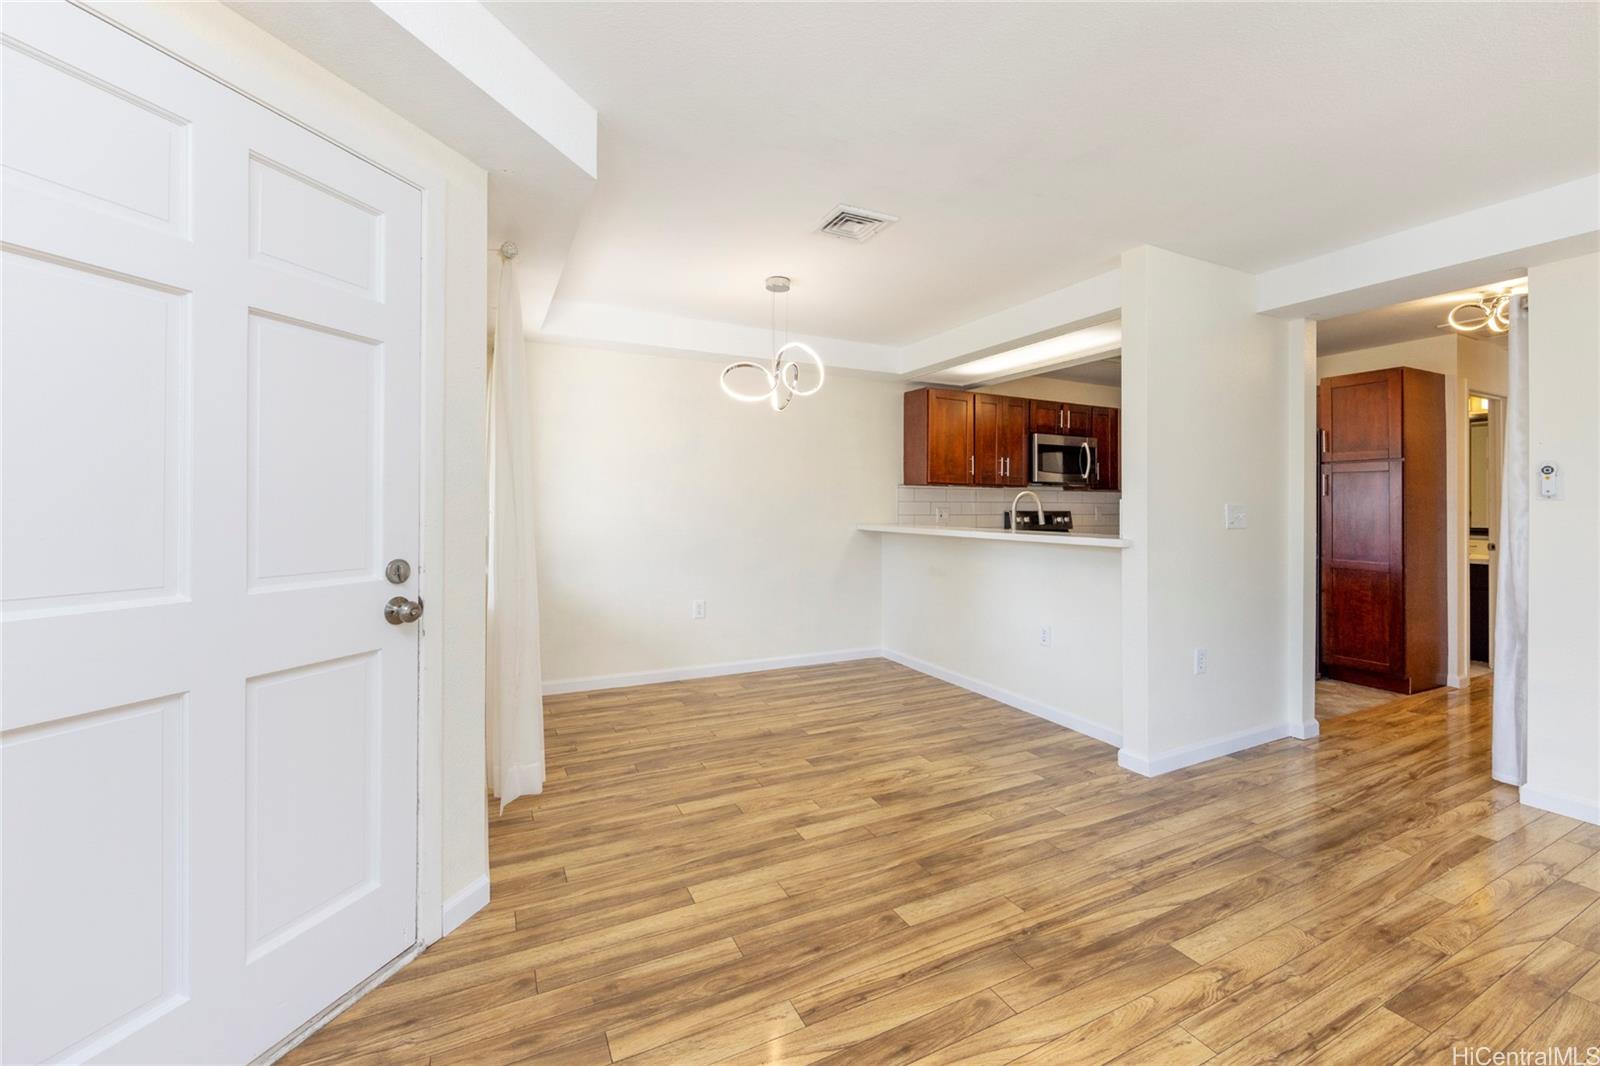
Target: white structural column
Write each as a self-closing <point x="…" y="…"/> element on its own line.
<point x="1564" y="547"/>
<point x="1204" y="385"/>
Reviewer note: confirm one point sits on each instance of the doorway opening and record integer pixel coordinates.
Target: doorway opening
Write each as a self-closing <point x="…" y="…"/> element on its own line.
<point x="1408" y="499"/>
<point x="1485" y="450"/>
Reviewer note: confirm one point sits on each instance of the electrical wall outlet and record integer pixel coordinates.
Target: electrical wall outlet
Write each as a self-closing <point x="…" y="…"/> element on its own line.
<point x="940" y="514"/>
<point x="1045" y="636"/>
<point x="697" y="610"/>
<point x="1234" y="516"/>
<point x="1200" y="657"/>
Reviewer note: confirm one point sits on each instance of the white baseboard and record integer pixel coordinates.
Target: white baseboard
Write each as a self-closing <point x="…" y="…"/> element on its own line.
<point x="1305" y="730"/>
<point x="1010" y="699"/>
<point x="1571" y="806"/>
<point x="1178" y="758"/>
<point x="687" y="673"/>
<point x="1457" y="680"/>
<point x="464" y="904"/>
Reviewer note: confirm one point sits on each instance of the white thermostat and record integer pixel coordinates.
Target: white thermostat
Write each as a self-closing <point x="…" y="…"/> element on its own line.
<point x="1549" y="481"/>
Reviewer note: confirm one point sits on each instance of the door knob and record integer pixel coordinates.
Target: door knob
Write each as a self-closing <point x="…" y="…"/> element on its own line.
<point x="400" y="609"/>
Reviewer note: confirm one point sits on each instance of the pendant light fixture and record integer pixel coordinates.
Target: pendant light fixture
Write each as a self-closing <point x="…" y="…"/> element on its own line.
<point x="781" y="382"/>
<point x="1490" y="311"/>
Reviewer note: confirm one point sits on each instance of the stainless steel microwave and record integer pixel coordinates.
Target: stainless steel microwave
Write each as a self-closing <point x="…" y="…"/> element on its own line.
<point x="1058" y="460"/>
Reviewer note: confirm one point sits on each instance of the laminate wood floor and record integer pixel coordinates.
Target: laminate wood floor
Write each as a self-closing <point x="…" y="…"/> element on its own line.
<point x="859" y="864"/>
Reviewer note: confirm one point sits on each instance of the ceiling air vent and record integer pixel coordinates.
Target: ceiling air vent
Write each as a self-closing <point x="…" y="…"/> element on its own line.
<point x="855" y="223"/>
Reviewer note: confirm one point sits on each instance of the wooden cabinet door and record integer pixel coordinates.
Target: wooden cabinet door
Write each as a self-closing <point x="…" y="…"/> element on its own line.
<point x="1358" y="417"/>
<point x="1047" y="417"/>
<point x="1079" y="420"/>
<point x="1015" y="455"/>
<point x="1105" y="427"/>
<point x="1362" y="567"/>
<point x="950" y="456"/>
<point x="986" y="455"/>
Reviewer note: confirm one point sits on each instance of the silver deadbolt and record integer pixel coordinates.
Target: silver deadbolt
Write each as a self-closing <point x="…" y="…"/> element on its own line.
<point x="398" y="571"/>
<point x="400" y="610"/>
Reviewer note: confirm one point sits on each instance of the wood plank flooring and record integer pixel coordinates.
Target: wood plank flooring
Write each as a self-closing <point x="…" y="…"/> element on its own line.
<point x="859" y="864"/>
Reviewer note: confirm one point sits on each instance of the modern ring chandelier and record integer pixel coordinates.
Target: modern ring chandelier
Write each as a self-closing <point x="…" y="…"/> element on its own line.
<point x="782" y="380"/>
<point x="1491" y="311"/>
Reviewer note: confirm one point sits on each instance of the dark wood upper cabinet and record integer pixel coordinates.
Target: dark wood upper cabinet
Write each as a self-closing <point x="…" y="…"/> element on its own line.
<point x="1015" y="453"/>
<point x="938" y="437"/>
<point x="978" y="438"/>
<point x="1079" y="420"/>
<point x="1359" y="416"/>
<point x="987" y="465"/>
<point x="1382" y="516"/>
<point x="1045" y="416"/>
<point x="1105" y="428"/>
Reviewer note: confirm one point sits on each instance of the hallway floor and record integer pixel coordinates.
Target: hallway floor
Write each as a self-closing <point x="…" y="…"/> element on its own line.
<point x="859" y="864"/>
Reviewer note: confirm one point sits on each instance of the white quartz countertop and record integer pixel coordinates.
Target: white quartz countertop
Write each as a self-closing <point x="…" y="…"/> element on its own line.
<point x="1079" y="540"/>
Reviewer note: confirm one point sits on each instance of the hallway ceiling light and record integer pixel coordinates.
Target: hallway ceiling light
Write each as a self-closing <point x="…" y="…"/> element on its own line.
<point x="781" y="383"/>
<point x="1491" y="310"/>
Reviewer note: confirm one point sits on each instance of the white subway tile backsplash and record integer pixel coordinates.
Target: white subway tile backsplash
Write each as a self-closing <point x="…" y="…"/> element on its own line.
<point x="984" y="508"/>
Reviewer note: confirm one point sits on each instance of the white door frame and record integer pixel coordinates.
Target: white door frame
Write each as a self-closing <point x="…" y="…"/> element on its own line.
<point x="257" y="80"/>
<point x="1495" y="458"/>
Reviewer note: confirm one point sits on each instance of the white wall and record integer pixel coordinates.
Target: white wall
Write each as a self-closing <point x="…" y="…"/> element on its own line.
<point x="1468" y="366"/>
<point x="1058" y="390"/>
<point x="1204" y="384"/>
<point x="220" y="42"/>
<point x="971" y="611"/>
<point x="654" y="490"/>
<point x="1564" y="535"/>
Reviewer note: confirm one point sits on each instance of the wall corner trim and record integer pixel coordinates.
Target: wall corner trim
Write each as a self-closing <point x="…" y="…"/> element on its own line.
<point x="1305" y="730"/>
<point x="465" y="903"/>
<point x="1585" y="810"/>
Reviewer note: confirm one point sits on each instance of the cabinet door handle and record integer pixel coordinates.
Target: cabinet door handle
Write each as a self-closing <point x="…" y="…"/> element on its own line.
<point x="1322" y="434"/>
<point x="1324" y="484"/>
<point x="971" y="465"/>
<point x="1061" y="420"/>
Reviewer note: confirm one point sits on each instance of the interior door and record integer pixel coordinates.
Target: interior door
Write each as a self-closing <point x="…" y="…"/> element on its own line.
<point x="1362" y="565"/>
<point x="210" y="382"/>
<point x="950" y="451"/>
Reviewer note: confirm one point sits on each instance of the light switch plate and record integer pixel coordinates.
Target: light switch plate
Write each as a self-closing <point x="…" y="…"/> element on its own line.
<point x="1234" y="516"/>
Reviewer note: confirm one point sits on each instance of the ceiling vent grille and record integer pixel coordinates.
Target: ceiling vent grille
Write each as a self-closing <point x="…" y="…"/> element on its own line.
<point x="855" y="223"/>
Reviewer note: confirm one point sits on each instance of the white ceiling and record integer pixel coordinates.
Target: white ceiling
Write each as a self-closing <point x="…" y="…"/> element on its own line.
<point x="1409" y="321"/>
<point x="1025" y="146"/>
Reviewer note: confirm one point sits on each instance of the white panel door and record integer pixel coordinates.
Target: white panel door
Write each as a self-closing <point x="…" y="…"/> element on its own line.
<point x="209" y="451"/>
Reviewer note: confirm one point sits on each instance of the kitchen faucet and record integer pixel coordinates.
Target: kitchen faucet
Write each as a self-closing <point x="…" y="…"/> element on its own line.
<point x="1037" y="506"/>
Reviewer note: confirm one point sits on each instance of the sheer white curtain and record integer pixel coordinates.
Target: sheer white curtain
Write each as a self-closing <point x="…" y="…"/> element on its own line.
<point x="513" y="688"/>
<point x="1509" y="759"/>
